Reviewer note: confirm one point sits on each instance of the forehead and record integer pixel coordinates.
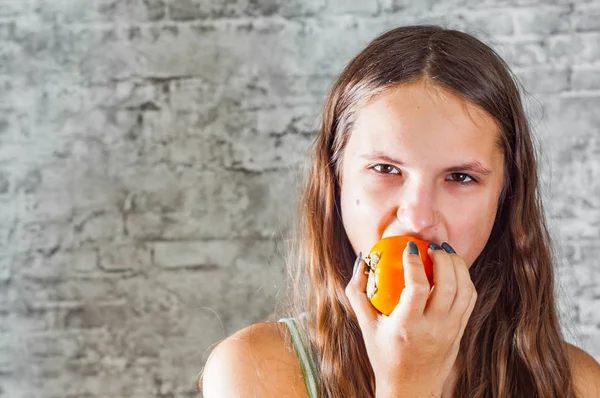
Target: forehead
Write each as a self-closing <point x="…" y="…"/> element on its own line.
<point x="418" y="115"/>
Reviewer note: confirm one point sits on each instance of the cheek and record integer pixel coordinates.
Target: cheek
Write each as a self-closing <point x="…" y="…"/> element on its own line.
<point x="358" y="204"/>
<point x="363" y="214"/>
<point x="470" y="231"/>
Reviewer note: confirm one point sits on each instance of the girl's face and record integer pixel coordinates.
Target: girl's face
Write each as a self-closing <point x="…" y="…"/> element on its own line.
<point x="421" y="161"/>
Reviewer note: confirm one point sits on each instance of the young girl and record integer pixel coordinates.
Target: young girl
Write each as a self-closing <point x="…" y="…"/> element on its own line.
<point x="423" y="134"/>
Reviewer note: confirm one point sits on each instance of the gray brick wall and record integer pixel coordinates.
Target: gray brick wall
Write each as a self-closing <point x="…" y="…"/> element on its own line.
<point x="148" y="155"/>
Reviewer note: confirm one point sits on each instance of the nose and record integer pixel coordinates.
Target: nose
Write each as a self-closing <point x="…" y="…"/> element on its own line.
<point x="417" y="210"/>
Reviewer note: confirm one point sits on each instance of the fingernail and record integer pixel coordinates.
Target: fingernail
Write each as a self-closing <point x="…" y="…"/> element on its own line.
<point x="356" y="263"/>
<point x="412" y="248"/>
<point x="448" y="248"/>
<point x="433" y="246"/>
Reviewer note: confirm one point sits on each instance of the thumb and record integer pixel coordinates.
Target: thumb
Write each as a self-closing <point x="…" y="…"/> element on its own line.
<point x="356" y="291"/>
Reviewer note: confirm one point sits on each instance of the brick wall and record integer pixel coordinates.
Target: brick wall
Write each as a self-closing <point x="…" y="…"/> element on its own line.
<point x="148" y="155"/>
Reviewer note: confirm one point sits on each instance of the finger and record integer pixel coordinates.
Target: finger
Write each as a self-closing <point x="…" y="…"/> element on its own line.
<point x="465" y="288"/>
<point x="445" y="283"/>
<point x="467" y="315"/>
<point x="366" y="314"/>
<point x="416" y="291"/>
<point x="465" y="320"/>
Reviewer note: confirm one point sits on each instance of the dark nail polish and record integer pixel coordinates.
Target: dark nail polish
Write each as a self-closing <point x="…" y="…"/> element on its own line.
<point x="412" y="248"/>
<point x="433" y="246"/>
<point x="356" y="263"/>
<point x="448" y="248"/>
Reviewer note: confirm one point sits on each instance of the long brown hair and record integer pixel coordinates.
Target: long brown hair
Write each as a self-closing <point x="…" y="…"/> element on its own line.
<point x="512" y="345"/>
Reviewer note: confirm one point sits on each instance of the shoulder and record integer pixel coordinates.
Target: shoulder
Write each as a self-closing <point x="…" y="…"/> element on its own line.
<point x="256" y="361"/>
<point x="586" y="372"/>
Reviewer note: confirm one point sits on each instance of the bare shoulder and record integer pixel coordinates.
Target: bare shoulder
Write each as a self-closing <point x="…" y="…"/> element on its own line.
<point x="257" y="361"/>
<point x="586" y="372"/>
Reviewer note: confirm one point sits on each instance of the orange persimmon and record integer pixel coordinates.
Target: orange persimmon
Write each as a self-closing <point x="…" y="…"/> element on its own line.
<point x="386" y="272"/>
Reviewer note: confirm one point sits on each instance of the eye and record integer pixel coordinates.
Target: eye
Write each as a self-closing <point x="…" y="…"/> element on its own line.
<point x="385" y="169"/>
<point x="461" y="178"/>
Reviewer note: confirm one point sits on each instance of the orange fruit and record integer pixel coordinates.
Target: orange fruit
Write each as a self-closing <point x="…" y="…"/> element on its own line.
<point x="386" y="272"/>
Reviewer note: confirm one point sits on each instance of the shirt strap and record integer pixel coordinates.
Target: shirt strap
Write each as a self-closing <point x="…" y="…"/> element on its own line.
<point x="306" y="361"/>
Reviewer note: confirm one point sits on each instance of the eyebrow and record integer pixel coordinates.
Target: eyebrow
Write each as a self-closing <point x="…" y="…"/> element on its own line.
<point x="472" y="167"/>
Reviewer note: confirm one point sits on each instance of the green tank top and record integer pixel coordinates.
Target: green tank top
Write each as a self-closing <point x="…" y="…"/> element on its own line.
<point x="304" y="357"/>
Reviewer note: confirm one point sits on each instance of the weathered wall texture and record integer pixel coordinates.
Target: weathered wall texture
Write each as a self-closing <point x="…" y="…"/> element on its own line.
<point x="148" y="151"/>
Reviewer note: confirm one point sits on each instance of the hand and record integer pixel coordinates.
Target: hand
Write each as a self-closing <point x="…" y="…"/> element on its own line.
<point x="413" y="350"/>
